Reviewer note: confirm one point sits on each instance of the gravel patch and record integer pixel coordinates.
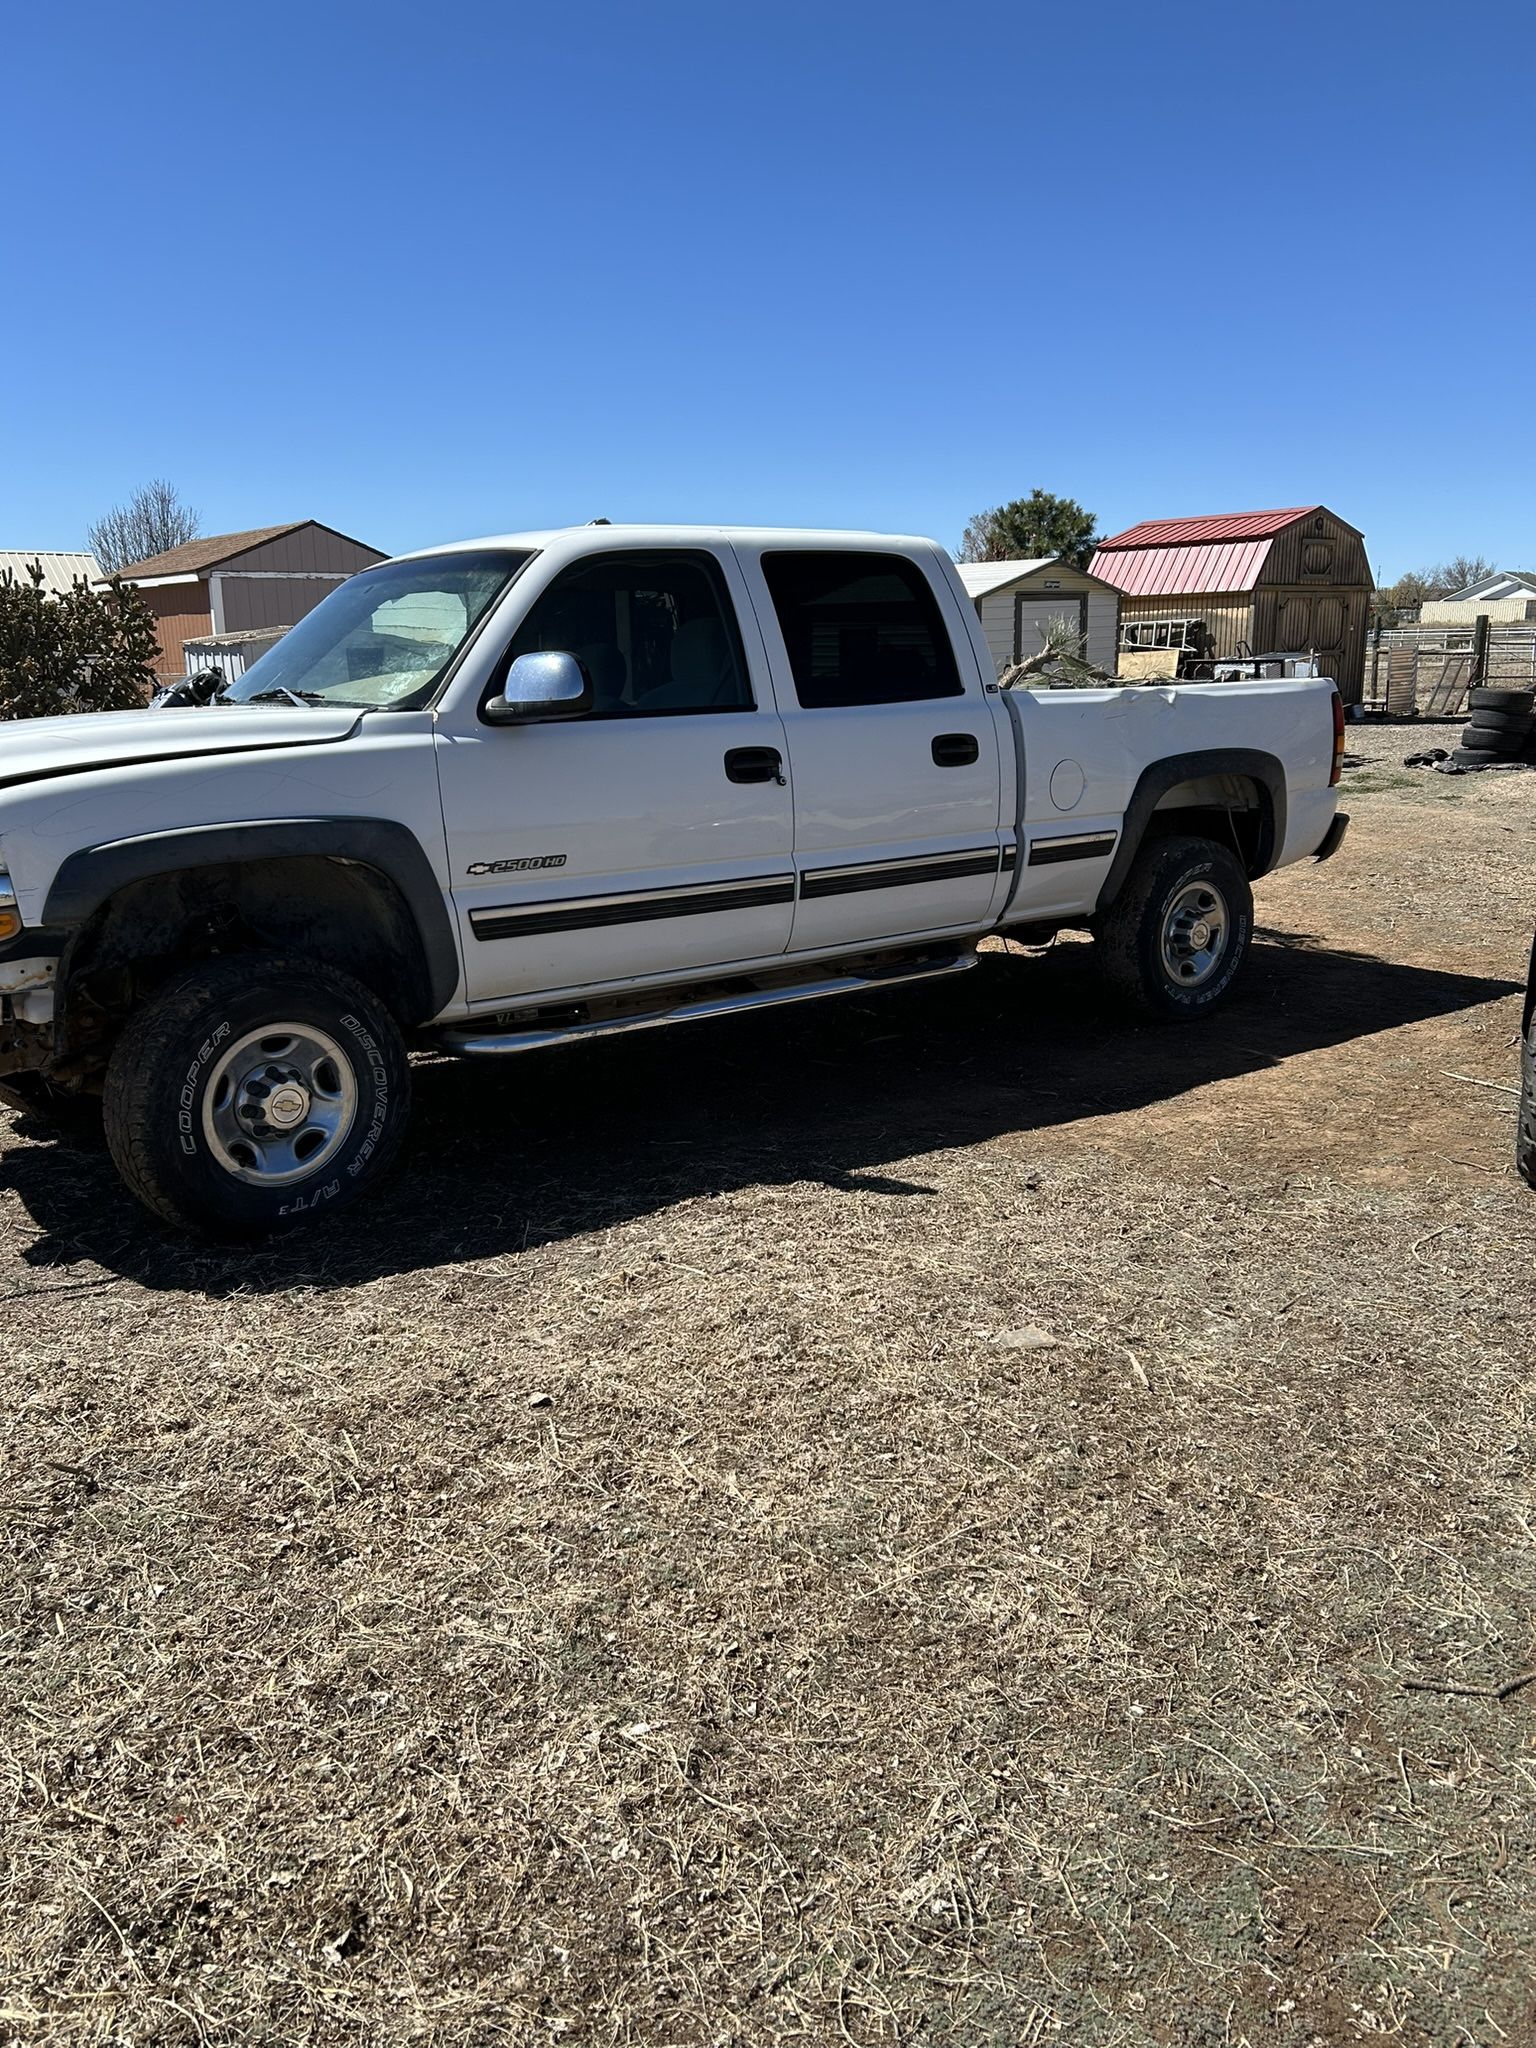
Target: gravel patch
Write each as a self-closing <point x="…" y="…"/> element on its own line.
<point x="942" y="1520"/>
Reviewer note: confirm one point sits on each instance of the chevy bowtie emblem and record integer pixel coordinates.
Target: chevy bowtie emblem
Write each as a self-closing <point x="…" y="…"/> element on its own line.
<point x="514" y="867"/>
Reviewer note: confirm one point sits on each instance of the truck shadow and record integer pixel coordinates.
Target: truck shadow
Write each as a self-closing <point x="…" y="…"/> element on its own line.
<point x="503" y="1156"/>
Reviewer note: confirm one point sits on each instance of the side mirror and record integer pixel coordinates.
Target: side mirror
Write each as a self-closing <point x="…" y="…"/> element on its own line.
<point x="540" y="686"/>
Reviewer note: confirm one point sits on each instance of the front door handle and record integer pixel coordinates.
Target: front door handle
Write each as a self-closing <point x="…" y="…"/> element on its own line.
<point x="754" y="764"/>
<point x="955" y="749"/>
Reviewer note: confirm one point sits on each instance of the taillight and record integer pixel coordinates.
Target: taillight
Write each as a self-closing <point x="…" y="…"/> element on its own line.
<point x="1338" y="740"/>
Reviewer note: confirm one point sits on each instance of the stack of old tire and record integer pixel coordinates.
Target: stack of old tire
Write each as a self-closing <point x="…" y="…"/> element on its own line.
<point x="1501" y="730"/>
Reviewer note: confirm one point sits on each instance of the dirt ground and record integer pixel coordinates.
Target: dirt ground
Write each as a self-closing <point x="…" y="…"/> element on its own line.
<point x="923" y="1521"/>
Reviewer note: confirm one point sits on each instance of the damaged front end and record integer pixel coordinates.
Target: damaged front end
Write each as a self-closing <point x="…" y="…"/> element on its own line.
<point x="29" y="965"/>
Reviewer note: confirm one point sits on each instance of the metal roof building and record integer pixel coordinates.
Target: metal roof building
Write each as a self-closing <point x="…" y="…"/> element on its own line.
<point x="1192" y="590"/>
<point x="60" y="570"/>
<point x="1508" y="597"/>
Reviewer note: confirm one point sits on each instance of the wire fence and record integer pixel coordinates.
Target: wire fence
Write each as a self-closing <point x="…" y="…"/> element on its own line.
<point x="1427" y="671"/>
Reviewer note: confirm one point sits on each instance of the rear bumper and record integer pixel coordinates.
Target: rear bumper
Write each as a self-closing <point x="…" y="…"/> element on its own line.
<point x="1333" y="838"/>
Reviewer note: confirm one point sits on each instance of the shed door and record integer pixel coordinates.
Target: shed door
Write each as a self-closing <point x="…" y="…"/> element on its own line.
<point x="1307" y="620"/>
<point x="1036" y="613"/>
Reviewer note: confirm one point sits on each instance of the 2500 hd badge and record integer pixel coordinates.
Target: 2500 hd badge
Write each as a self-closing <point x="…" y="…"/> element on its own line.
<point x="515" y="867"/>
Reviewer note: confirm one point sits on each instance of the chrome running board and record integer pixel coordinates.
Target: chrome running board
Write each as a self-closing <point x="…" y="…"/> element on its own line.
<point x="534" y="1037"/>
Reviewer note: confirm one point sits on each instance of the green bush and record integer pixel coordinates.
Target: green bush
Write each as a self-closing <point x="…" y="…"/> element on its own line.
<point x="86" y="650"/>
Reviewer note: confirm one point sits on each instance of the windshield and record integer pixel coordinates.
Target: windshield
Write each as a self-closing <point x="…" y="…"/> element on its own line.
<point x="382" y="639"/>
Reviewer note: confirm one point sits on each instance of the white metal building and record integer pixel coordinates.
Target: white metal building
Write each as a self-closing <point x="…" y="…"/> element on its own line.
<point x="1016" y="600"/>
<point x="59" y="570"/>
<point x="230" y="653"/>
<point x="1508" y="597"/>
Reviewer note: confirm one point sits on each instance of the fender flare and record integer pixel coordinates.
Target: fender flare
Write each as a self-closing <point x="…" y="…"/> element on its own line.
<point x="92" y="874"/>
<point x="1159" y="777"/>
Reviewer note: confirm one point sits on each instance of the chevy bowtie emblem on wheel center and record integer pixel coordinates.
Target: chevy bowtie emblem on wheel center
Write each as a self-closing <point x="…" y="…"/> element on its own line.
<point x="514" y="867"/>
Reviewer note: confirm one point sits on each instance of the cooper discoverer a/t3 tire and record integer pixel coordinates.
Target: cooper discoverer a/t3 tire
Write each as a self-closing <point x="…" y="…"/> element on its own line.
<point x="255" y="1092"/>
<point x="1175" y="939"/>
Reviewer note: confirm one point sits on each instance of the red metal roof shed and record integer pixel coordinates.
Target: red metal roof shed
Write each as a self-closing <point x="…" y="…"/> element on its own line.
<point x="1224" y="551"/>
<point x="1174" y="533"/>
<point x="1158" y="572"/>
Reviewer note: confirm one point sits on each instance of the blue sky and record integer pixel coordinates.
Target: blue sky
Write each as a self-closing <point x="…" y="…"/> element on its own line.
<point x="428" y="272"/>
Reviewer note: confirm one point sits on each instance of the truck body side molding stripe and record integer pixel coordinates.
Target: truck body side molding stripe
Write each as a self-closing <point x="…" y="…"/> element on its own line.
<point x="639" y="906"/>
<point x="1045" y="853"/>
<point x="530" y="920"/>
<point x="900" y="874"/>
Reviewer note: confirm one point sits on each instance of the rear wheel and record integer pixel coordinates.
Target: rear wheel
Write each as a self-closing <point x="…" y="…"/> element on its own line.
<point x="1175" y="939"/>
<point x="255" y="1093"/>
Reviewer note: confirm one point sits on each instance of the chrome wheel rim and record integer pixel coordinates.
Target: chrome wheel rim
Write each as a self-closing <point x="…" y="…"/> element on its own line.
<point x="1195" y="929"/>
<point x="278" y="1104"/>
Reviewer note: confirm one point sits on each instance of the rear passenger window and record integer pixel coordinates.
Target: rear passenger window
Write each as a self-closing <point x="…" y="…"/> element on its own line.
<point x="860" y="629"/>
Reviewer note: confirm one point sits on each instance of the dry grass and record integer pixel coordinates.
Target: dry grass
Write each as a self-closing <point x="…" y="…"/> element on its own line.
<point x="907" y="1525"/>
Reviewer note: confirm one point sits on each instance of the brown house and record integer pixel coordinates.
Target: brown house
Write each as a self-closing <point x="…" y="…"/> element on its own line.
<point x="243" y="582"/>
<point x="1289" y="582"/>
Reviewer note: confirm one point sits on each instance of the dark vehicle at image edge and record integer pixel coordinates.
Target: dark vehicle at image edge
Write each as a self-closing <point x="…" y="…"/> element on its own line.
<point x="1525" y="1135"/>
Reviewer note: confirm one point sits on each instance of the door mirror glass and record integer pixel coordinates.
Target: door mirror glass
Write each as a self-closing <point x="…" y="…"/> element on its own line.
<point x="541" y="686"/>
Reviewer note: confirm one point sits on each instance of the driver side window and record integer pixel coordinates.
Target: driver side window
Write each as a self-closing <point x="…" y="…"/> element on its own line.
<point x="655" y="631"/>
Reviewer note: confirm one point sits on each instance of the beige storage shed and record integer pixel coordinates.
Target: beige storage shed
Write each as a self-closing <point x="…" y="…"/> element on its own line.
<point x="1016" y="600"/>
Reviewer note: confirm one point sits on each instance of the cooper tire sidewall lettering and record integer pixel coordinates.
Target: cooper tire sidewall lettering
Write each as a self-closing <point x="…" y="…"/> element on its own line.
<point x="379" y="1073"/>
<point x="186" y="1112"/>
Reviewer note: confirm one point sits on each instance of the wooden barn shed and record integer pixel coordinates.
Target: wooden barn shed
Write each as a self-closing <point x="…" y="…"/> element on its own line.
<point x="1016" y="600"/>
<point x="227" y="583"/>
<point x="1293" y="581"/>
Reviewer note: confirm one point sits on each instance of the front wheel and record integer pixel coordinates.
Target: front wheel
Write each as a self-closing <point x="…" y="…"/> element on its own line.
<point x="254" y="1093"/>
<point x="1174" y="940"/>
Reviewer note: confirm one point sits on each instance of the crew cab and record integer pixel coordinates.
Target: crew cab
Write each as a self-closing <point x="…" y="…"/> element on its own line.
<point x="508" y="793"/>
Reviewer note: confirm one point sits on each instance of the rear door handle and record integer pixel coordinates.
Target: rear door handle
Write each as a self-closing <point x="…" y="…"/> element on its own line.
<point x="955" y="749"/>
<point x="754" y="764"/>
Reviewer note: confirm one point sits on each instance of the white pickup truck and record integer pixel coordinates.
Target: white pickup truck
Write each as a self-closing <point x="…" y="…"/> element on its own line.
<point x="510" y="793"/>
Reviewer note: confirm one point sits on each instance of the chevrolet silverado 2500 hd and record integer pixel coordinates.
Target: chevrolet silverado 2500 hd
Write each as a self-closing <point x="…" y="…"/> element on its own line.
<point x="509" y="793"/>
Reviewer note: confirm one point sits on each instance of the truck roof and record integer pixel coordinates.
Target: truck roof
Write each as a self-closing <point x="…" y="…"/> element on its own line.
<point x="679" y="536"/>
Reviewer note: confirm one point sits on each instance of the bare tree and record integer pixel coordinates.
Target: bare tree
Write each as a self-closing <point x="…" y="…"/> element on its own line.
<point x="1395" y="601"/>
<point x="1461" y="570"/>
<point x="153" y="520"/>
